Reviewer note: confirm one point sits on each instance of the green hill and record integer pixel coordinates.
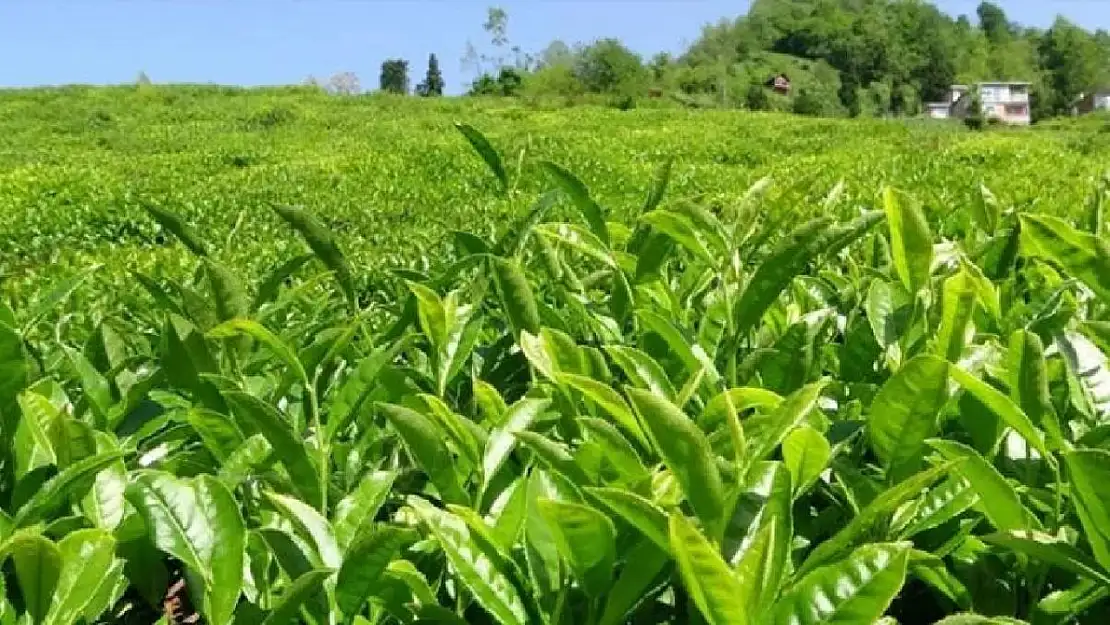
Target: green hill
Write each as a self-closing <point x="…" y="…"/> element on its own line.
<point x="775" y="404"/>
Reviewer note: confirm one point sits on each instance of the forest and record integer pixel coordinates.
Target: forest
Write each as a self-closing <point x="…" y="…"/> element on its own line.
<point x="844" y="57"/>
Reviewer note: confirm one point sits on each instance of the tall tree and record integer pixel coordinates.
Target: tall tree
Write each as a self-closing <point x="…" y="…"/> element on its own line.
<point x="497" y="27"/>
<point x="433" y="80"/>
<point x="992" y="19"/>
<point x="344" y="83"/>
<point x="1074" y="62"/>
<point x="607" y="66"/>
<point x="395" y="76"/>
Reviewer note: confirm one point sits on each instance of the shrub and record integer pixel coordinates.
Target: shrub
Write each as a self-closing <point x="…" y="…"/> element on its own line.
<point x="269" y="117"/>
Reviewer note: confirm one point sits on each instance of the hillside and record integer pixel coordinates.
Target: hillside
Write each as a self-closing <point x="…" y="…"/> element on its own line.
<point x="812" y="372"/>
<point x="392" y="176"/>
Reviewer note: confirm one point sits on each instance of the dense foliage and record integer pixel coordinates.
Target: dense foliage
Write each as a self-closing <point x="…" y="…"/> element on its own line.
<point x="815" y="398"/>
<point x="857" y="57"/>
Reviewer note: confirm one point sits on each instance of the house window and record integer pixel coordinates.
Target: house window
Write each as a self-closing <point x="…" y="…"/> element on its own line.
<point x="1018" y="90"/>
<point x="1016" y="110"/>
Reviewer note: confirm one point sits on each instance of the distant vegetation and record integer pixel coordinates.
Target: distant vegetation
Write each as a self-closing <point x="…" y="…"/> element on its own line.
<point x="844" y="57"/>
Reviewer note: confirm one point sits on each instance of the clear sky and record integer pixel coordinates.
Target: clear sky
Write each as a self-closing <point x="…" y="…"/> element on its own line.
<point x="252" y="42"/>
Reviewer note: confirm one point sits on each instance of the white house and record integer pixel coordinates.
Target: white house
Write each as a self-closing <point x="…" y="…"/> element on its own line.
<point x="938" y="110"/>
<point x="1007" y="102"/>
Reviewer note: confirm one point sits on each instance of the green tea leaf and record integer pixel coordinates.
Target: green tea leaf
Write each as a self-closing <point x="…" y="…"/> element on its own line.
<point x="486" y="150"/>
<point x="476" y="567"/>
<point x="905" y="412"/>
<point x="1089" y="472"/>
<point x="288" y="445"/>
<point x="806" y="453"/>
<point x="517" y="300"/>
<point x="1029" y="384"/>
<point x="88" y="565"/>
<point x="253" y="329"/>
<point x="228" y="291"/>
<point x="1083" y="255"/>
<point x="73" y="480"/>
<point x="609" y="401"/>
<point x="311" y="526"/>
<point x="555" y="456"/>
<point x="857" y="590"/>
<point x="766" y="432"/>
<point x="998" y="500"/>
<point x="580" y="196"/>
<point x="501" y="441"/>
<point x="323" y="244"/>
<point x="426" y="446"/>
<point x="878" y="511"/>
<point x="1006" y="410"/>
<point x="619" y="452"/>
<point x="641" y="369"/>
<point x="586" y="539"/>
<point x="1051" y="550"/>
<point x="635" y="510"/>
<point x="303" y="590"/>
<point x="958" y="300"/>
<point x="269" y="288"/>
<point x="38" y="565"/>
<point x="685" y="451"/>
<point x="355" y="512"/>
<point x="986" y="209"/>
<point x="941" y="504"/>
<point x="643" y="566"/>
<point x="198" y="522"/>
<point x="365" y="563"/>
<point x="178" y="227"/>
<point x="911" y="242"/>
<point x="743" y="399"/>
<point x="775" y="273"/>
<point x="708" y="580"/>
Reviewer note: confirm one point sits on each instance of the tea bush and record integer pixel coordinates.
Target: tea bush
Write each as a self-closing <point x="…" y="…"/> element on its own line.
<point x="513" y="395"/>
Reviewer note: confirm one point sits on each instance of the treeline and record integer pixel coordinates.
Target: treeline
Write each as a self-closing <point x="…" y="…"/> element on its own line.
<point x="843" y="58"/>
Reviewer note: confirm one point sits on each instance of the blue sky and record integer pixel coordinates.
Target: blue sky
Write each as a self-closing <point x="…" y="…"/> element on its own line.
<point x="253" y="42"/>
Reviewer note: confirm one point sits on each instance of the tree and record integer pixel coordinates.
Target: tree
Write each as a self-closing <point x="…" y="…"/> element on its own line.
<point x="344" y="83"/>
<point x="808" y="103"/>
<point x="1073" y="60"/>
<point x="607" y="66"/>
<point x="556" y="80"/>
<point x="974" y="118"/>
<point x="556" y="53"/>
<point x="757" y="98"/>
<point x="992" y="19"/>
<point x="494" y="71"/>
<point x="395" y="76"/>
<point x="433" y="80"/>
<point x="497" y="25"/>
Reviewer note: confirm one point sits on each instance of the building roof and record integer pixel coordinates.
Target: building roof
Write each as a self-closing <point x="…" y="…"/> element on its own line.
<point x="1004" y="82"/>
